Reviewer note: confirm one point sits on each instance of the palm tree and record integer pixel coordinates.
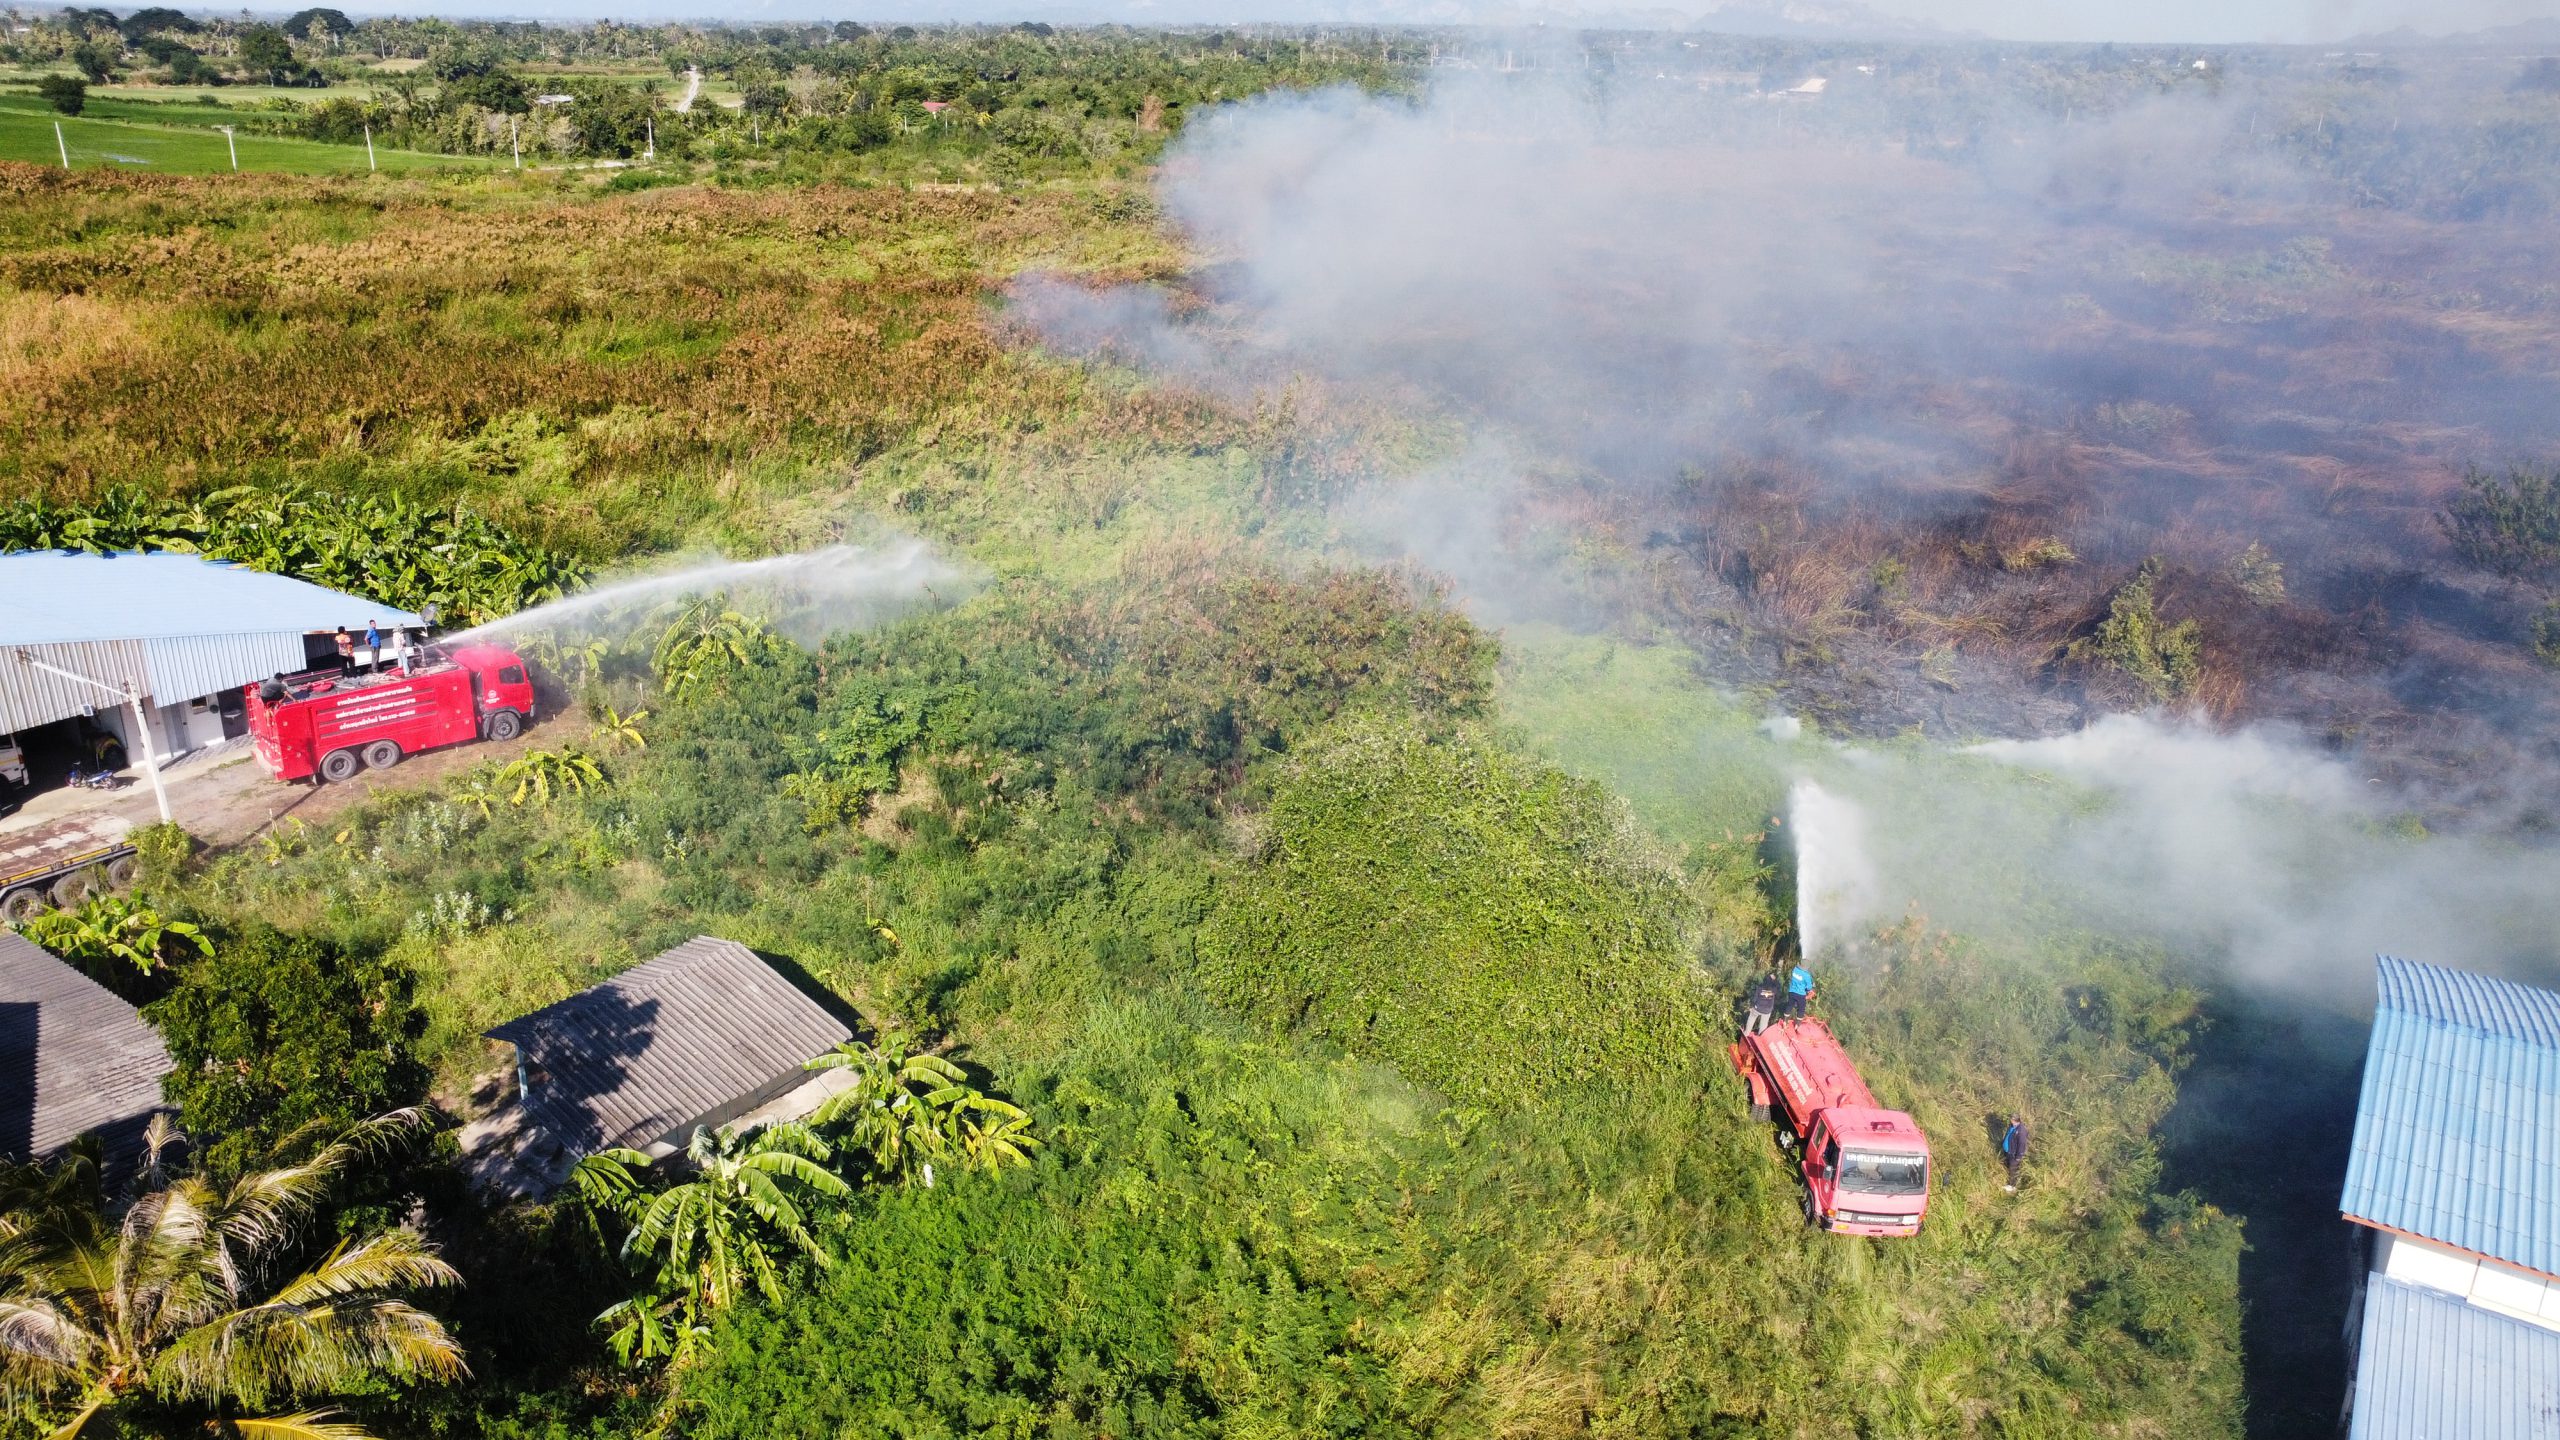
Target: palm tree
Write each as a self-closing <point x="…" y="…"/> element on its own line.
<point x="726" y="1226"/>
<point x="189" y="1298"/>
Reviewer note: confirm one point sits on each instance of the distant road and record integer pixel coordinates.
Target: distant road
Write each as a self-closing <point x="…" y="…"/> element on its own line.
<point x="692" y="87"/>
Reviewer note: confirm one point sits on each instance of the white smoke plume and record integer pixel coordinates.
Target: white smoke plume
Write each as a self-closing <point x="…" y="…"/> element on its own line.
<point x="2286" y="866"/>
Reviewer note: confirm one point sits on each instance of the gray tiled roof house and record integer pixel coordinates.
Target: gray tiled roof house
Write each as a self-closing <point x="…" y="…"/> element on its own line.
<point x="73" y="1058"/>
<point x="699" y="1036"/>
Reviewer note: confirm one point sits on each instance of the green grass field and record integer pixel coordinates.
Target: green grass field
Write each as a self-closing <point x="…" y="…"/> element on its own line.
<point x="95" y="142"/>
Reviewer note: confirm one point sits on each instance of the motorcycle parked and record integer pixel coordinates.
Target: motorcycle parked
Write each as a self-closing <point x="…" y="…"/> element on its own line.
<point x="83" y="778"/>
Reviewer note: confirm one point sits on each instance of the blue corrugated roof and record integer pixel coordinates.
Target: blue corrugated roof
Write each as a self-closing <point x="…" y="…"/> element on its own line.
<point x="61" y="596"/>
<point x="2431" y="1367"/>
<point x="2458" y="1128"/>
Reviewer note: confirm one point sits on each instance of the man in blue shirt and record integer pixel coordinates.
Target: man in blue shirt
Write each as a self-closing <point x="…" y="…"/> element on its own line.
<point x="1799" y="993"/>
<point x="2013" y="1150"/>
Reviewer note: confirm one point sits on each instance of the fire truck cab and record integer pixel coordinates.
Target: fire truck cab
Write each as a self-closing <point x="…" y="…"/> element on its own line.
<point x="1866" y="1168"/>
<point x="334" y="725"/>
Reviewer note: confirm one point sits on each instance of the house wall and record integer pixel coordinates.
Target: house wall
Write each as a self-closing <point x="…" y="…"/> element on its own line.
<point x="2518" y="1294"/>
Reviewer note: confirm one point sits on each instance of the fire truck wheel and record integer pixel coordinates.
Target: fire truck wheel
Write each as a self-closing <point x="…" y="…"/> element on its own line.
<point x="1812" y="1216"/>
<point x="340" y="765"/>
<point x="505" y="725"/>
<point x="1759" y="1114"/>
<point x="73" y="888"/>
<point x="21" y="905"/>
<point x="382" y="755"/>
<point x="121" y="870"/>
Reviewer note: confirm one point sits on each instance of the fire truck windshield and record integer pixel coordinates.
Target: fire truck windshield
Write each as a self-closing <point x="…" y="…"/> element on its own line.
<point x="1875" y="1172"/>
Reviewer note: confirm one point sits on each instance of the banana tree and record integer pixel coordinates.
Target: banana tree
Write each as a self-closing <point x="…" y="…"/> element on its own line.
<point x="720" y="1228"/>
<point x="111" y="927"/>
<point x="908" y="1110"/>
<point x="547" y="774"/>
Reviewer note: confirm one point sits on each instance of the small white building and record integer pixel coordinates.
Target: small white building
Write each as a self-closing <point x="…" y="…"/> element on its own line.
<point x="188" y="633"/>
<point x="2454" y="1176"/>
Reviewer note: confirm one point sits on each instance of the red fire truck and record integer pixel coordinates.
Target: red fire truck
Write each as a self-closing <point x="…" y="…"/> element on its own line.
<point x="1866" y="1168"/>
<point x="332" y="725"/>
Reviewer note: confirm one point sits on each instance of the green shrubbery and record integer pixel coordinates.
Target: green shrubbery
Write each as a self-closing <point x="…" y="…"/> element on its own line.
<point x="400" y="552"/>
<point x="273" y="1032"/>
<point x="2164" y="658"/>
<point x="1496" y="929"/>
<point x="2509" y="524"/>
<point x="1076" y="805"/>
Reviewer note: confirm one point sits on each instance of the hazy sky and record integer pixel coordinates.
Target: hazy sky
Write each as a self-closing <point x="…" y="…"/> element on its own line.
<point x="2150" y="21"/>
<point x="2289" y="21"/>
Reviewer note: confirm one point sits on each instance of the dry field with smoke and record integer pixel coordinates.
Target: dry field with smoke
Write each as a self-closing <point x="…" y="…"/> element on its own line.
<point x="1975" y="448"/>
<point x="2271" y="441"/>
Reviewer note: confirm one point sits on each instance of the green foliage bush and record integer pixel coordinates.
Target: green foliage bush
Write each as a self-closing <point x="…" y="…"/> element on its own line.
<point x="161" y="853"/>
<point x="2165" y="659"/>
<point x="1495" y="928"/>
<point x="67" y="94"/>
<point x="276" y="1031"/>
<point x="2509" y="524"/>
<point x="400" y="552"/>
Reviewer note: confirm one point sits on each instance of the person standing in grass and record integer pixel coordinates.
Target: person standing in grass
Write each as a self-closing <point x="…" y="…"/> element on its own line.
<point x="1799" y="993"/>
<point x="1764" y="1000"/>
<point x="2013" y="1150"/>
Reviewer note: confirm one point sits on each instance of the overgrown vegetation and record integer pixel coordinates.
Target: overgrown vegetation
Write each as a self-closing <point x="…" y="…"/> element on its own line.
<point x="1495" y="930"/>
<point x="2164" y="657"/>
<point x="406" y="553"/>
<point x="1526" y="1199"/>
<point x="271" y="1033"/>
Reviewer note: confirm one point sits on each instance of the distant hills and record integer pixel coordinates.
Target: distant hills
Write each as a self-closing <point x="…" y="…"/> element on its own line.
<point x="2536" y="34"/>
<point x="1810" y="19"/>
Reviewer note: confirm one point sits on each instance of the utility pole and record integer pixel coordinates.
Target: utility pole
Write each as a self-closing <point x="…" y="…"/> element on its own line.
<point x="229" y="135"/>
<point x="368" y="147"/>
<point x="63" y="145"/>
<point x="652" y="122"/>
<point x="513" y="143"/>
<point x="131" y="695"/>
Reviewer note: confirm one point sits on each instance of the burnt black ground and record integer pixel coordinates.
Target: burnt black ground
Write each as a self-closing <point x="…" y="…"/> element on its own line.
<point x="2261" y="1130"/>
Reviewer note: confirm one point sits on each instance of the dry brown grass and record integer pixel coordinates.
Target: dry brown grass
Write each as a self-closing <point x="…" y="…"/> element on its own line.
<point x="556" y="352"/>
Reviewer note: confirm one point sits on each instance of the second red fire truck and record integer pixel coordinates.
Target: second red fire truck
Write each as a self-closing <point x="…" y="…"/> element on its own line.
<point x="1866" y="1168"/>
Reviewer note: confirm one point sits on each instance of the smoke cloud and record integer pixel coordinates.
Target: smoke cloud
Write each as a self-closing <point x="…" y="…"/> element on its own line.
<point x="1950" y="343"/>
<point x="2288" y="867"/>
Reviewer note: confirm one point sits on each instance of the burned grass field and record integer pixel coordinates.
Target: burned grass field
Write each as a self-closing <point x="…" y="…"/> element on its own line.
<point x="1976" y="442"/>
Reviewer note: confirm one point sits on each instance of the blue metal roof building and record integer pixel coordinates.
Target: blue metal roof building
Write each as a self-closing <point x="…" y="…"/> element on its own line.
<point x="2456" y="1165"/>
<point x="2458" y="1127"/>
<point x="2435" y="1368"/>
<point x="179" y="626"/>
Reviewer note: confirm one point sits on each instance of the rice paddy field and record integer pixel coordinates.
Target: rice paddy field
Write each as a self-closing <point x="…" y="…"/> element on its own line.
<point x="181" y="139"/>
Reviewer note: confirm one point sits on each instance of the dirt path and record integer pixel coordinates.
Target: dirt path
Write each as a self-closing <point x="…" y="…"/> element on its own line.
<point x="227" y="799"/>
<point x="692" y="87"/>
